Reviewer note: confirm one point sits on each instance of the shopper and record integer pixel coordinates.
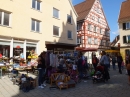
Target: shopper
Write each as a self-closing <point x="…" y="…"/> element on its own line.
<point x="114" y="62"/>
<point x="104" y="61"/>
<point x="95" y="62"/>
<point x="80" y="67"/>
<point x="119" y="61"/>
<point x="41" y="68"/>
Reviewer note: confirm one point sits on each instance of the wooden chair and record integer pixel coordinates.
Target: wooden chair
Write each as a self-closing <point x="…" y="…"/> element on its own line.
<point x="57" y="77"/>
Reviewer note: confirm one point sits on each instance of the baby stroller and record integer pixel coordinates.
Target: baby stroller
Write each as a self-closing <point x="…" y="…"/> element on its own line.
<point x="98" y="75"/>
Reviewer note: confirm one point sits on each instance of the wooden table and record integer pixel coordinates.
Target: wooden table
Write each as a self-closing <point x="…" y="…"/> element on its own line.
<point x="28" y="69"/>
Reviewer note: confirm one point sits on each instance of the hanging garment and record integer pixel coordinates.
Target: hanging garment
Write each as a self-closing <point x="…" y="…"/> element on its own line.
<point x="51" y="59"/>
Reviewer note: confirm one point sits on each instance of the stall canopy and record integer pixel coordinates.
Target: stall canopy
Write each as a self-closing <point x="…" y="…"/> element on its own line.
<point x="52" y="45"/>
<point x="112" y="51"/>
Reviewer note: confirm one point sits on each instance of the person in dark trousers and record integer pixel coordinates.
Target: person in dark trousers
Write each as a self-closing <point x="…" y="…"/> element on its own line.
<point x="80" y="67"/>
<point x="109" y="61"/>
<point x="41" y="68"/>
<point x="119" y="61"/>
<point x="114" y="62"/>
<point x="94" y="61"/>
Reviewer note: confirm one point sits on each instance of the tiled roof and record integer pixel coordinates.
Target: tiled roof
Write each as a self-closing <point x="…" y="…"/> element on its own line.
<point x="115" y="40"/>
<point x="124" y="11"/>
<point x="83" y="9"/>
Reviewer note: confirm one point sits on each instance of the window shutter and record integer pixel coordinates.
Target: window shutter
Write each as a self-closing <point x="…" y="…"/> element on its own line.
<point x="124" y="26"/>
<point x="124" y="39"/>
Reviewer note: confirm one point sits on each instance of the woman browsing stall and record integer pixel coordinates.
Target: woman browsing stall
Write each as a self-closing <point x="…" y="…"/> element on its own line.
<point x="41" y="68"/>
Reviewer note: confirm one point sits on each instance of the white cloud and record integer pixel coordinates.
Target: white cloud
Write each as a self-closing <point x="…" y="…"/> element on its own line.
<point x="116" y="32"/>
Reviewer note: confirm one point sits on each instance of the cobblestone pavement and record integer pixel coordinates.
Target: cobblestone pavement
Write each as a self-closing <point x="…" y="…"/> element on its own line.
<point x="117" y="86"/>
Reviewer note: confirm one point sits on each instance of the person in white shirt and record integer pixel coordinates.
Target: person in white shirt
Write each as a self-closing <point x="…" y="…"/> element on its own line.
<point x="104" y="61"/>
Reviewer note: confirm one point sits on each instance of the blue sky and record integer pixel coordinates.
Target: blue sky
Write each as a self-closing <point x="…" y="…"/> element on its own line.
<point x="111" y="9"/>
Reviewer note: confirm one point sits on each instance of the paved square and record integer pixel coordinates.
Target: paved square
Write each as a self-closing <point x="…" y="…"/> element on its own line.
<point x="116" y="87"/>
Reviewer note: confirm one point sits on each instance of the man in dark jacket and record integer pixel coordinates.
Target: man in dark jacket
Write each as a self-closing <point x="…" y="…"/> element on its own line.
<point x="80" y="67"/>
<point x="119" y="61"/>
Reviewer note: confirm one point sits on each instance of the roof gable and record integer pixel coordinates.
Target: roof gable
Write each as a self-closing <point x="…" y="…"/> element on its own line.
<point x="83" y="9"/>
<point x="73" y="8"/>
<point x="101" y="12"/>
<point x="124" y="11"/>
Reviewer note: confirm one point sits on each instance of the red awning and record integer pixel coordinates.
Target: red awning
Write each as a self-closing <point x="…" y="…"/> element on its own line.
<point x="86" y="49"/>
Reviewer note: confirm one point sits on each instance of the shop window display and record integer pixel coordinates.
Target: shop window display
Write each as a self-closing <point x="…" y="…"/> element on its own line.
<point x="5" y="50"/>
<point x="31" y="56"/>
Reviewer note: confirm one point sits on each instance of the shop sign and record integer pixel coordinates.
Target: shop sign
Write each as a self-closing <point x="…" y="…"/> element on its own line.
<point x="18" y="46"/>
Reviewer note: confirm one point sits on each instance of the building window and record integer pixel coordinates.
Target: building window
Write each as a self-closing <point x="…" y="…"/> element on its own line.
<point x="126" y="39"/>
<point x="107" y="33"/>
<point x="99" y="20"/>
<point x="100" y="30"/>
<point x="30" y="50"/>
<point x="36" y="4"/>
<point x="95" y="41"/>
<point x="107" y="43"/>
<point x="126" y="26"/>
<point x="55" y="31"/>
<point x="69" y="19"/>
<point x="5" y="49"/>
<point x="89" y="27"/>
<point x="18" y="48"/>
<point x="79" y="26"/>
<point x="4" y="18"/>
<point x="69" y="35"/>
<point x="35" y="25"/>
<point x="101" y="42"/>
<point x="89" y="40"/>
<point x="78" y="40"/>
<point x="93" y="17"/>
<point x="55" y="13"/>
<point x="94" y="28"/>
